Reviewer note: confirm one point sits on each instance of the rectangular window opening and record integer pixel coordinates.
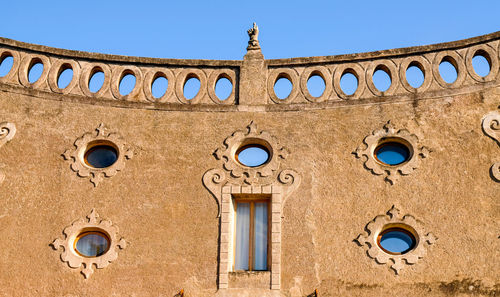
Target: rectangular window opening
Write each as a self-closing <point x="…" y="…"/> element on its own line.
<point x="251" y="252"/>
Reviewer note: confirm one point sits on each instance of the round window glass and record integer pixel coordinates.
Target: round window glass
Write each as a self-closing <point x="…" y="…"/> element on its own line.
<point x="392" y="153"/>
<point x="396" y="241"/>
<point x="252" y="155"/>
<point x="92" y="244"/>
<point x="101" y="156"/>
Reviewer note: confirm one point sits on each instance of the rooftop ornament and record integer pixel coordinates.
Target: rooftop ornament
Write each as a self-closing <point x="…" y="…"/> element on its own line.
<point x="253" y="33"/>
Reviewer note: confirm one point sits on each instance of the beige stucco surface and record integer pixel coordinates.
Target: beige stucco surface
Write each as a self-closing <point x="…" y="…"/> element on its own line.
<point x="169" y="220"/>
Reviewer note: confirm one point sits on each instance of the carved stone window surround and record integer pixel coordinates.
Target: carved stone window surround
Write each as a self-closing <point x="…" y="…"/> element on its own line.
<point x="81" y="145"/>
<point x="391" y="173"/>
<point x="235" y="179"/>
<point x="91" y="223"/>
<point x="392" y="219"/>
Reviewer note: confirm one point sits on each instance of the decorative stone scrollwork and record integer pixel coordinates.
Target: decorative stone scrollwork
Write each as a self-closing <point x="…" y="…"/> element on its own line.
<point x="91" y="223"/>
<point x="291" y="181"/>
<point x="238" y="139"/>
<point x="235" y="179"/>
<point x="213" y="180"/>
<point x="391" y="172"/>
<point x="393" y="219"/>
<point x="86" y="141"/>
<point x="7" y="132"/>
<point x="491" y="127"/>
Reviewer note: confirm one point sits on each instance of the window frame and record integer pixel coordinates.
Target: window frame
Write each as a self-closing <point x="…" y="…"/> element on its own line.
<point x="252" y="199"/>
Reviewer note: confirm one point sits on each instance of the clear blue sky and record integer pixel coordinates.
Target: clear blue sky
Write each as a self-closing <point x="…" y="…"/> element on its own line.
<point x="217" y="29"/>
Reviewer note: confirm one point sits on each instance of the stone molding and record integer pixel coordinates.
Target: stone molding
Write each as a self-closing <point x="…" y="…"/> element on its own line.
<point x="96" y="175"/>
<point x="298" y="70"/>
<point x="393" y="217"/>
<point x="7" y="132"/>
<point x="491" y="127"/>
<point x="391" y="173"/>
<point x="91" y="222"/>
<point x="233" y="179"/>
<point x="251" y="175"/>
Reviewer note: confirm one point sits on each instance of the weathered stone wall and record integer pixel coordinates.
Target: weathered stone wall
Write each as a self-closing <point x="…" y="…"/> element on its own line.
<point x="170" y="195"/>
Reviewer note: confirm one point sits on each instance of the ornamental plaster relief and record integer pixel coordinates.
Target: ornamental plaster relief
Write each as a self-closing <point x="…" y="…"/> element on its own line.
<point x="491" y="127"/>
<point x="7" y="132"/>
<point x="235" y="179"/>
<point x="391" y="173"/>
<point x="100" y="136"/>
<point x="250" y="179"/>
<point x="393" y="218"/>
<point x="91" y="223"/>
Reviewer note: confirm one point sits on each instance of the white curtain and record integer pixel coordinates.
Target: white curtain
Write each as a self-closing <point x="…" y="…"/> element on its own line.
<point x="242" y="236"/>
<point x="260" y="236"/>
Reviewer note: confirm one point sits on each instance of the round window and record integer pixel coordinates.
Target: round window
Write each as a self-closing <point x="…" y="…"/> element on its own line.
<point x="252" y="155"/>
<point x="101" y="155"/>
<point x="396" y="241"/>
<point x="91" y="244"/>
<point x="392" y="153"/>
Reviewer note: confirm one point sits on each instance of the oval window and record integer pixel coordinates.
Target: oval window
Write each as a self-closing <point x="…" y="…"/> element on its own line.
<point x="252" y="155"/>
<point x="396" y="241"/>
<point x="92" y="244"/>
<point x="101" y="156"/>
<point x="392" y="153"/>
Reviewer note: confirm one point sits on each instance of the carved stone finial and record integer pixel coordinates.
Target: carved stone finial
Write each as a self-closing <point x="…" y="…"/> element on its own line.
<point x="253" y="33"/>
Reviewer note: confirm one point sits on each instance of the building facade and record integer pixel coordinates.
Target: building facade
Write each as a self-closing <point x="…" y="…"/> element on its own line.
<point x="113" y="194"/>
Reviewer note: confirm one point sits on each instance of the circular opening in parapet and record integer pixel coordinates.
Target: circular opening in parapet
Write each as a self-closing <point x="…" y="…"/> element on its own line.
<point x="35" y="71"/>
<point x="393" y="151"/>
<point x="100" y="154"/>
<point x="382" y="78"/>
<point x="481" y="63"/>
<point x="396" y="240"/>
<point x="159" y="86"/>
<point x="65" y="77"/>
<point x="127" y="84"/>
<point x="253" y="155"/>
<point x="223" y="88"/>
<point x="191" y="87"/>
<point x="91" y="244"/>
<point x="316" y="85"/>
<point x="96" y="80"/>
<point x="448" y="70"/>
<point x="6" y="63"/>
<point x="348" y="83"/>
<point x="283" y="87"/>
<point x="414" y="75"/>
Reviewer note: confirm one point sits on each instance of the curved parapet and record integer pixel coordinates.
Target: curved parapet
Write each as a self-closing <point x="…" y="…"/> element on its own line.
<point x="244" y="75"/>
<point x="337" y="176"/>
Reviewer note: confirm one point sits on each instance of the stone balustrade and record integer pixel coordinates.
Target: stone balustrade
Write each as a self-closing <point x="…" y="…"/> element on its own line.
<point x="297" y="70"/>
